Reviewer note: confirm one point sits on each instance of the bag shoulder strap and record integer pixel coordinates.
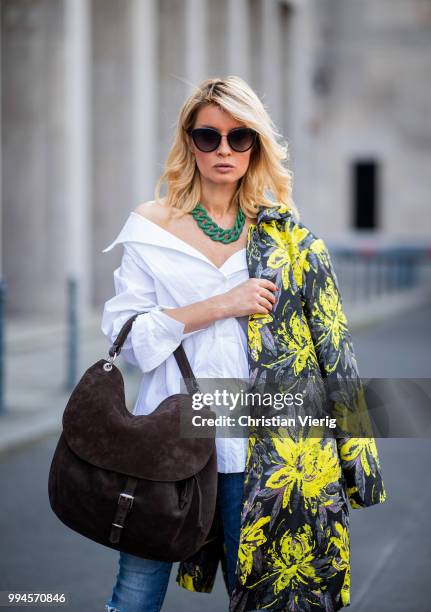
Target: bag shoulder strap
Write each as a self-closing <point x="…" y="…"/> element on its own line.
<point x="179" y="354"/>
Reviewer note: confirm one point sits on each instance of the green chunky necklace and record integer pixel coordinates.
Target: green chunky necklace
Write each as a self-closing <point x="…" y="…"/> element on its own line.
<point x="214" y="231"/>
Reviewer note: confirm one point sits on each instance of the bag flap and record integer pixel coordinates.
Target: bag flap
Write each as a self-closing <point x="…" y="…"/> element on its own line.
<point x="99" y="428"/>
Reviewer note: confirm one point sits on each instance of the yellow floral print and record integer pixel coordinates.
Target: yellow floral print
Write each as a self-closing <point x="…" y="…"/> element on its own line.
<point x="255" y="323"/>
<point x="252" y="537"/>
<point x="330" y="319"/>
<point x="296" y="345"/>
<point x="354" y="420"/>
<point x="318" y="248"/>
<point x="286" y="254"/>
<point x="342" y="562"/>
<point x="187" y="582"/>
<point x="294" y="539"/>
<point x="292" y="560"/>
<point x="251" y="444"/>
<point x="307" y="465"/>
<point x="359" y="447"/>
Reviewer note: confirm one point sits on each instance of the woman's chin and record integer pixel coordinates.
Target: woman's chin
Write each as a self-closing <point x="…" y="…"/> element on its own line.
<point x="225" y="179"/>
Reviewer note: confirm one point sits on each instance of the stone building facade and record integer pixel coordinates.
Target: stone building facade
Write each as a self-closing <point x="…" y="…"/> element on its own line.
<point x="90" y="94"/>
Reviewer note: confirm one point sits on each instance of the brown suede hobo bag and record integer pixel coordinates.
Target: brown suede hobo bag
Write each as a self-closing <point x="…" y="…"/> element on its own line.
<point x="134" y="483"/>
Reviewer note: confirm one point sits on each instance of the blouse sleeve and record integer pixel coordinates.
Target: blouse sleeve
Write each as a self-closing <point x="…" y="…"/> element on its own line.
<point x="335" y="353"/>
<point x="154" y="335"/>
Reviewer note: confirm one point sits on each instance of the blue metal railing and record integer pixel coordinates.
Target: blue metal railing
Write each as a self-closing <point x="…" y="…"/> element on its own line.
<point x="368" y="272"/>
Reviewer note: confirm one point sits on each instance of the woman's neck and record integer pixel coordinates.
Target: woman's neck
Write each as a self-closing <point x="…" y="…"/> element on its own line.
<point x="217" y="200"/>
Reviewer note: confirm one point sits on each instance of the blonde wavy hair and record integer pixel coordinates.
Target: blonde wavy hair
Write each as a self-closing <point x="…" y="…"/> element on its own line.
<point x="266" y="175"/>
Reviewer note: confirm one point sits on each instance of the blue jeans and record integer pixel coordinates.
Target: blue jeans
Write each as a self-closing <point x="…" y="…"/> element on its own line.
<point x="142" y="583"/>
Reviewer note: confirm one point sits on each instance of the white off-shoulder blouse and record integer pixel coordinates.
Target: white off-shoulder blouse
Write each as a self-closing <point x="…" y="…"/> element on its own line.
<point x="160" y="271"/>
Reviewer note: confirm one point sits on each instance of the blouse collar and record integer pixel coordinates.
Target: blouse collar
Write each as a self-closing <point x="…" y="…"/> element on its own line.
<point x="132" y="231"/>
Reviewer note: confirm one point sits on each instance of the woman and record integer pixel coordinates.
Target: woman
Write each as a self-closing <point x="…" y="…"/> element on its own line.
<point x="234" y="276"/>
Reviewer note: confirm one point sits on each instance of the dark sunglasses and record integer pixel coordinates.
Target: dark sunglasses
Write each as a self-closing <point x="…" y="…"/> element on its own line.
<point x="209" y="139"/>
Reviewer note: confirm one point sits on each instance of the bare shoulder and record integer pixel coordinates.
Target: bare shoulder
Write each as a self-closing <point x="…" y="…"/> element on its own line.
<point x="154" y="211"/>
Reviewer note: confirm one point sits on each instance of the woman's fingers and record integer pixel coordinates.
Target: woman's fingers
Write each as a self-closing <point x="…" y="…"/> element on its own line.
<point x="268" y="295"/>
<point x="267" y="284"/>
<point x="264" y="302"/>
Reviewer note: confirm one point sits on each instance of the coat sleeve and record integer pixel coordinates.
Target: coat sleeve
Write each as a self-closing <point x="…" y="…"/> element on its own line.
<point x="332" y="340"/>
<point x="154" y="335"/>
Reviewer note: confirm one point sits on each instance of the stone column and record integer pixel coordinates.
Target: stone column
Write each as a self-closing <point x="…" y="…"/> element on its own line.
<point x="2" y="281"/>
<point x="144" y="137"/>
<point x="238" y="38"/>
<point x="173" y="86"/>
<point x="301" y="105"/>
<point x="196" y="42"/>
<point x="1" y="167"/>
<point x="77" y="195"/>
<point x="217" y="29"/>
<point x="33" y="157"/>
<point x="272" y="65"/>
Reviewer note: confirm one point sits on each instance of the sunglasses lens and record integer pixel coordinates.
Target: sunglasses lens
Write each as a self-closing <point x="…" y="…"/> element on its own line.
<point x="241" y="139"/>
<point x="205" y="139"/>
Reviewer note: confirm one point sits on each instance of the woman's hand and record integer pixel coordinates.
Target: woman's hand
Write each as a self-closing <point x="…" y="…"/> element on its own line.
<point x="255" y="295"/>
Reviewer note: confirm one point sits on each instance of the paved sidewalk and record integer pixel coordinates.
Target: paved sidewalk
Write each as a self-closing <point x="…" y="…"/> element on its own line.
<point x="36" y="393"/>
<point x="36" y="368"/>
<point x="390" y="543"/>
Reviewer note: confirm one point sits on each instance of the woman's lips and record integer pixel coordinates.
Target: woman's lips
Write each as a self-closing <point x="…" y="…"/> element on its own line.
<point x="223" y="168"/>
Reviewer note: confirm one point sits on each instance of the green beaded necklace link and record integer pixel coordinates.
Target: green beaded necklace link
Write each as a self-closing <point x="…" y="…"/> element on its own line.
<point x="214" y="231"/>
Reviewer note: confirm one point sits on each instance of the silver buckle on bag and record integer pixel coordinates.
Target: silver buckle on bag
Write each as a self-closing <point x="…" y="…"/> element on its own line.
<point x="128" y="497"/>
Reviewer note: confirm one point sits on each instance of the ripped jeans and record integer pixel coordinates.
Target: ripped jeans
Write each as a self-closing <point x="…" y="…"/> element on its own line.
<point x="142" y="583"/>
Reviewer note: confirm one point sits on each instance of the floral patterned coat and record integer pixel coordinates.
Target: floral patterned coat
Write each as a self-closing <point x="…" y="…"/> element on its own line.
<point x="294" y="549"/>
